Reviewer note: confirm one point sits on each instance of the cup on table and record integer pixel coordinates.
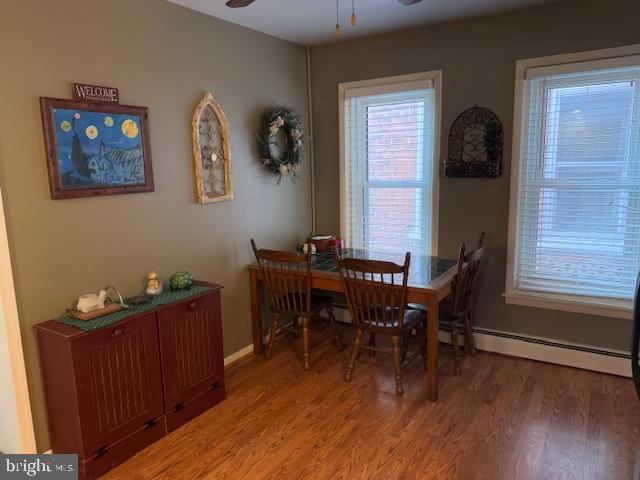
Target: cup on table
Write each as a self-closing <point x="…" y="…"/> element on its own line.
<point x="305" y="248"/>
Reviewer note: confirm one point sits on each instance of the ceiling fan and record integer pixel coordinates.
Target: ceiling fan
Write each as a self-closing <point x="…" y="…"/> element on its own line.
<point x="245" y="3"/>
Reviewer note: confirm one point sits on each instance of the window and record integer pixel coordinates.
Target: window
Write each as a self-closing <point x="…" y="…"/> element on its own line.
<point x="576" y="228"/>
<point x="388" y="164"/>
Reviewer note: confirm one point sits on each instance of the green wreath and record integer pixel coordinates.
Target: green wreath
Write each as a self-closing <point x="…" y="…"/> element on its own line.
<point x="274" y="119"/>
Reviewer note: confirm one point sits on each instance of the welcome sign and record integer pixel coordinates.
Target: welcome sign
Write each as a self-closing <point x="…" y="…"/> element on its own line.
<point x="95" y="93"/>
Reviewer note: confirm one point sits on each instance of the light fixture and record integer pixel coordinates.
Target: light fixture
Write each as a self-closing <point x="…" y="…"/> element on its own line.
<point x="353" y="13"/>
<point x="338" y="30"/>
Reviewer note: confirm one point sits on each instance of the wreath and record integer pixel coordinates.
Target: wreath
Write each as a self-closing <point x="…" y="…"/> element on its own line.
<point x="273" y="120"/>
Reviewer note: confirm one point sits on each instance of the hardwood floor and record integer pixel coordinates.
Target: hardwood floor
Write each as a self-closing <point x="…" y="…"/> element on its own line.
<point x="504" y="418"/>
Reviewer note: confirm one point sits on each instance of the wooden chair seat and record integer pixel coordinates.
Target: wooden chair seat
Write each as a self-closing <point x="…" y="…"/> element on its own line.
<point x="387" y="319"/>
<point x="444" y="310"/>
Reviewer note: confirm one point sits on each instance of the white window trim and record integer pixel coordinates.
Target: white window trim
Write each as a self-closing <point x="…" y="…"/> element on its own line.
<point x="406" y="82"/>
<point x="604" y="58"/>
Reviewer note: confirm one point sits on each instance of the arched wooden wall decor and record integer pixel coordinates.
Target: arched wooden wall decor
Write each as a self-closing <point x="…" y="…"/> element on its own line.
<point x="475" y="145"/>
<point x="211" y="152"/>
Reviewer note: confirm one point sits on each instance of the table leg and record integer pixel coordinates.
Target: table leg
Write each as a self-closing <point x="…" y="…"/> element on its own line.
<point x="256" y="313"/>
<point x="432" y="349"/>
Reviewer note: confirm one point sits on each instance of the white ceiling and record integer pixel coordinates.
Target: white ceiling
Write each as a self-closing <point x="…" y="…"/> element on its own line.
<point x="311" y="22"/>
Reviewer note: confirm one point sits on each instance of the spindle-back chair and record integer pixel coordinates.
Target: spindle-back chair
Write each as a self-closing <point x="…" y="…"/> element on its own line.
<point x="287" y="281"/>
<point x="376" y="293"/>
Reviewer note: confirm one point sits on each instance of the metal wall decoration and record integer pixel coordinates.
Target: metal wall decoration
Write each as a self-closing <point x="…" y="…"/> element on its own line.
<point x="475" y="145"/>
<point x="211" y="152"/>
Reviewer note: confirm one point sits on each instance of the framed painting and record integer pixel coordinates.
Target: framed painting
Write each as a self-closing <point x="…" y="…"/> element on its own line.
<point x="96" y="149"/>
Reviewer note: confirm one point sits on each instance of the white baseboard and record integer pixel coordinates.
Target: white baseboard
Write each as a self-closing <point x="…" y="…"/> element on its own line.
<point x="551" y="351"/>
<point x="243" y="352"/>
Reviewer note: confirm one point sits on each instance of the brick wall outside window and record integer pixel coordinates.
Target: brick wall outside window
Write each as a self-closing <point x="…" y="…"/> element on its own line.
<point x="394" y="152"/>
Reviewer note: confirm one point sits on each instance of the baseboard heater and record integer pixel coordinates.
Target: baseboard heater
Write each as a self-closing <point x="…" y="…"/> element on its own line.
<point x="551" y="343"/>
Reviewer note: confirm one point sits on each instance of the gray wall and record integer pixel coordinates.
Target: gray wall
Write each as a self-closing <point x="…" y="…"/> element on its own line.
<point x="477" y="58"/>
<point x="164" y="57"/>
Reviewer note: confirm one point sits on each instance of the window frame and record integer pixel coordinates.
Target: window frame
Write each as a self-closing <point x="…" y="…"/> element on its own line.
<point x="393" y="84"/>
<point x="595" y="59"/>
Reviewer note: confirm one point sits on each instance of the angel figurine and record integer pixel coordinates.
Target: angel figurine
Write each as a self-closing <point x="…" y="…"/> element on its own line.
<point x="154" y="287"/>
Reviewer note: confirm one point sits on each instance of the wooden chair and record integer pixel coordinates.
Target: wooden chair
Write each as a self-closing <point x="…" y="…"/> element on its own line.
<point x="287" y="281"/>
<point x="377" y="305"/>
<point x="466" y="304"/>
<point x="459" y="308"/>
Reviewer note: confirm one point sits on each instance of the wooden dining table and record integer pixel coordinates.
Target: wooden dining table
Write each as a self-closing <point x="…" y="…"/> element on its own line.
<point x="430" y="281"/>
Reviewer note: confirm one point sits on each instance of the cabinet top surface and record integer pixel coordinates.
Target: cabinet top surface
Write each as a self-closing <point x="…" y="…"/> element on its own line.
<point x="58" y="327"/>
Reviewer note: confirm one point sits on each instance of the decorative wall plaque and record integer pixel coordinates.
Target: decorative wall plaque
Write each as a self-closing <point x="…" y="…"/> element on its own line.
<point x="95" y="93"/>
<point x="475" y="145"/>
<point x="211" y="152"/>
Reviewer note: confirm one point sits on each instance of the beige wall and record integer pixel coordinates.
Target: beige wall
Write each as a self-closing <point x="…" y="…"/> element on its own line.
<point x="477" y="58"/>
<point x="9" y="427"/>
<point x="161" y="56"/>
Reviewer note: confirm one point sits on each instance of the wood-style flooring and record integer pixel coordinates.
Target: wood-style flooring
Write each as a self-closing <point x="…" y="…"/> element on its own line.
<point x="503" y="418"/>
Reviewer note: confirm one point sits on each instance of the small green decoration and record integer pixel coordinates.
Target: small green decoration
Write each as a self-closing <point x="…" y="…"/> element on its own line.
<point x="272" y="121"/>
<point x="181" y="281"/>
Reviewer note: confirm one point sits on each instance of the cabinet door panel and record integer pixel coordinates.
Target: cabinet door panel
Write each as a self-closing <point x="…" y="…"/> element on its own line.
<point x="191" y="348"/>
<point x="119" y="381"/>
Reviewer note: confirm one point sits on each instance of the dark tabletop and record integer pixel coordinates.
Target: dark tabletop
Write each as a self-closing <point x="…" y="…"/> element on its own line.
<point x="423" y="269"/>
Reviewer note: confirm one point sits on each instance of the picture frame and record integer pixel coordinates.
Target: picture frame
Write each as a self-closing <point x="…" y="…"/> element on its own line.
<point x="96" y="149"/>
<point x="211" y="152"/>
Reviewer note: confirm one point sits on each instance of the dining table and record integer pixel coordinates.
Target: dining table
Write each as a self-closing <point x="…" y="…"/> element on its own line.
<point x="430" y="281"/>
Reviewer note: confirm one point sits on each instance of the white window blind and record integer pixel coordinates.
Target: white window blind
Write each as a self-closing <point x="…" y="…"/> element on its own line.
<point x="389" y="156"/>
<point x="578" y="219"/>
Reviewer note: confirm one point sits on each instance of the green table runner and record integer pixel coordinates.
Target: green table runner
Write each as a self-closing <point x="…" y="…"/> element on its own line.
<point x="115" y="317"/>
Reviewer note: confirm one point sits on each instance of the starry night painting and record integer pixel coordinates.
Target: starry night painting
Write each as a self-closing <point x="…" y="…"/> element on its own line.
<point x="97" y="149"/>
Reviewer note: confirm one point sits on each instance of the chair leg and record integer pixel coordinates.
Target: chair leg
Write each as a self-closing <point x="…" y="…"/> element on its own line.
<point x="420" y="332"/>
<point x="469" y="344"/>
<point x="397" y="362"/>
<point x="372" y="343"/>
<point x="354" y="355"/>
<point x="423" y="337"/>
<point x="305" y="342"/>
<point x="404" y="347"/>
<point x="272" y="335"/>
<point x="456" y="347"/>
<point x="296" y="325"/>
<point x="334" y="327"/>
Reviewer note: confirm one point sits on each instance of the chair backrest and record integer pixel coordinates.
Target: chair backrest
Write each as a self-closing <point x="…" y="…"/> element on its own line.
<point x="483" y="240"/>
<point x="467" y="277"/>
<point x="287" y="279"/>
<point x="374" y="297"/>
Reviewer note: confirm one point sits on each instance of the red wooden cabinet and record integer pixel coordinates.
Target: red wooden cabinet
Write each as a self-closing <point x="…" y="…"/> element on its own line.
<point x="113" y="391"/>
<point x="192" y="371"/>
<point x="119" y="379"/>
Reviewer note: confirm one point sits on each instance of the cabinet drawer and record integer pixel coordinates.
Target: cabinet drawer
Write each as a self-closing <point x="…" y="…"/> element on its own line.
<point x="191" y="348"/>
<point x="118" y="379"/>
<point x="106" y="459"/>
<point x="194" y="407"/>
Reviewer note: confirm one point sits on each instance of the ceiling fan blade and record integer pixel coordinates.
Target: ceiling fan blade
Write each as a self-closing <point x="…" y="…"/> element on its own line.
<point x="409" y="2"/>
<point x="238" y="3"/>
